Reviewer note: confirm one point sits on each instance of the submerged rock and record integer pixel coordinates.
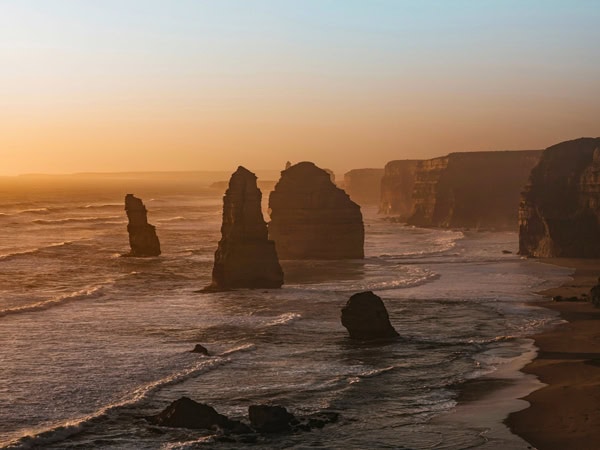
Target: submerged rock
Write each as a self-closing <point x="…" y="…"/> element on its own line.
<point x="366" y="318"/>
<point x="311" y="218"/>
<point x="199" y="348"/>
<point x="186" y="413"/>
<point x="559" y="215"/>
<point x="142" y="236"/>
<point x="245" y="258"/>
<point x="270" y="419"/>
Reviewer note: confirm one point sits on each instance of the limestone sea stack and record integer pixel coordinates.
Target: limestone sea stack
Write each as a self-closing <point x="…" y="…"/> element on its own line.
<point x="245" y="258"/>
<point x="311" y="218"/>
<point x="559" y="215"/>
<point x="142" y="236"/>
<point x="366" y="318"/>
<point x="397" y="185"/>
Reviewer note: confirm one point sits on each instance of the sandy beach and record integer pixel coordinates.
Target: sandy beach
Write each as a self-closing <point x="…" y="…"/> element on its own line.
<point x="565" y="414"/>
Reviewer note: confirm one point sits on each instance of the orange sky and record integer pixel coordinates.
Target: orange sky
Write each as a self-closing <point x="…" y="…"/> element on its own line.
<point x="344" y="84"/>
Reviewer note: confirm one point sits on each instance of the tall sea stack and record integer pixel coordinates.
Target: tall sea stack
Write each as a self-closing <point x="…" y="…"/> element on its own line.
<point x="245" y="258"/>
<point x="311" y="218"/>
<point x="559" y="213"/>
<point x="142" y="236"/>
<point x="397" y="186"/>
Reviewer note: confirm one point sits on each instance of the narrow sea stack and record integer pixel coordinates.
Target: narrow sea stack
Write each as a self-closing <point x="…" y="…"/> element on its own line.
<point x="397" y="185"/>
<point x="142" y="236"/>
<point x="363" y="185"/>
<point x="245" y="258"/>
<point x="559" y="214"/>
<point x="366" y="318"/>
<point x="311" y="218"/>
<point x="476" y="190"/>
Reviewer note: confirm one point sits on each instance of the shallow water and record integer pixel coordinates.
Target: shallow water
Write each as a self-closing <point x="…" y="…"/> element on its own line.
<point x="91" y="342"/>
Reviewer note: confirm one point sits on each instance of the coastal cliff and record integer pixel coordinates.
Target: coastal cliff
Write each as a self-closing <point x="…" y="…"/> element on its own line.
<point x="397" y="185"/>
<point x="479" y="190"/>
<point x="142" y="236"/>
<point x="559" y="214"/>
<point x="363" y="185"/>
<point x="245" y="258"/>
<point x="311" y="218"/>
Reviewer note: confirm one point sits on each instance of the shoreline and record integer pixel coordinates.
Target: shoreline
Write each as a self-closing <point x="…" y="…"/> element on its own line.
<point x="565" y="412"/>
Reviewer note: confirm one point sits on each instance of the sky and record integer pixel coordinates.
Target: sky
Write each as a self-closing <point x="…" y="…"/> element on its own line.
<point x="124" y="85"/>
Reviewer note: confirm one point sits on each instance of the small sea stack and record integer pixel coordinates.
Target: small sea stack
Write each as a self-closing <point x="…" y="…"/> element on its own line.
<point x="366" y="318"/>
<point x="245" y="257"/>
<point x="311" y="218"/>
<point x="142" y="236"/>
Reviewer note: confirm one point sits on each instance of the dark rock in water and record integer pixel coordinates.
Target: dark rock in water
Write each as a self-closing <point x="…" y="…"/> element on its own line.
<point x="560" y="298"/>
<point x="200" y="349"/>
<point x="311" y="218"/>
<point x="245" y="258"/>
<point x="507" y="252"/>
<point x="559" y="215"/>
<point x="366" y="318"/>
<point x="595" y="295"/>
<point x="270" y="419"/>
<point x="142" y="236"/>
<point x="186" y="413"/>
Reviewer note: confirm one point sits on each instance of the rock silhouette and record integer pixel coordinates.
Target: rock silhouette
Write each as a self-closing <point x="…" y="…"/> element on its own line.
<point x="270" y="419"/>
<point x="311" y="218"/>
<point x="559" y="215"/>
<point x="245" y="258"/>
<point x="366" y="318"/>
<point x="142" y="236"/>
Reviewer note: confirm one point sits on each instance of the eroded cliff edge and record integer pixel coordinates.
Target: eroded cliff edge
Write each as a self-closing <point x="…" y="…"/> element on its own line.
<point x="311" y="218"/>
<point x="477" y="190"/>
<point x="397" y="186"/>
<point x="245" y="258"/>
<point x="363" y="185"/>
<point x="559" y="214"/>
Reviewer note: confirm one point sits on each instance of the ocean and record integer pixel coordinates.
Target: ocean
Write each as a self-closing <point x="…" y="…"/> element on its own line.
<point x="92" y="342"/>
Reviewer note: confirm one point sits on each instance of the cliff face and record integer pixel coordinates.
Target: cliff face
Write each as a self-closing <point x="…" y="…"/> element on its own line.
<point x="311" y="218"/>
<point x="363" y="185"/>
<point x="397" y="186"/>
<point x="478" y="190"/>
<point x="245" y="258"/>
<point x="559" y="213"/>
<point x="142" y="236"/>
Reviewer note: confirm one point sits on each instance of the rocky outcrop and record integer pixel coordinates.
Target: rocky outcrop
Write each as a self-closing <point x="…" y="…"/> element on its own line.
<point x="397" y="185"/>
<point x="142" y="236"/>
<point x="245" y="258"/>
<point x="270" y="419"/>
<point x="186" y="413"/>
<point x="311" y="218"/>
<point x="559" y="215"/>
<point x="478" y="190"/>
<point x="366" y="318"/>
<point x="363" y="185"/>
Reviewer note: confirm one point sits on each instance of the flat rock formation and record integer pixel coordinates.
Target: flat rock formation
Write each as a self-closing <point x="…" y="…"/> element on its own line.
<point x="363" y="185"/>
<point x="311" y="218"/>
<point x="366" y="318"/>
<point x="478" y="190"/>
<point x="559" y="213"/>
<point x="142" y="236"/>
<point x="397" y="185"/>
<point x="187" y="413"/>
<point x="245" y="258"/>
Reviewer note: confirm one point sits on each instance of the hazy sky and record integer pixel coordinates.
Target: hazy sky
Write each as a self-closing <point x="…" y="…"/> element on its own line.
<point x="121" y="85"/>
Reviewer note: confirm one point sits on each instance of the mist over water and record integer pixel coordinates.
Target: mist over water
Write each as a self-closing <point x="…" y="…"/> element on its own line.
<point x="93" y="342"/>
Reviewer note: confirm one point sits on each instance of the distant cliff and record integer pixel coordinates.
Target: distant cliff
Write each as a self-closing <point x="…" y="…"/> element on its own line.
<point x="311" y="218"/>
<point x="559" y="213"/>
<point x="397" y="185"/>
<point x="479" y="190"/>
<point x="363" y="185"/>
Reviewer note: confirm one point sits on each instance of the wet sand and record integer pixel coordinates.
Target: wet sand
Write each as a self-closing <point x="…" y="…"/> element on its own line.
<point x="565" y="414"/>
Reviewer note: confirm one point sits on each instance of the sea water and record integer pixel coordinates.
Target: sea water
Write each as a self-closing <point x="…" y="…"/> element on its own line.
<point x="92" y="342"/>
